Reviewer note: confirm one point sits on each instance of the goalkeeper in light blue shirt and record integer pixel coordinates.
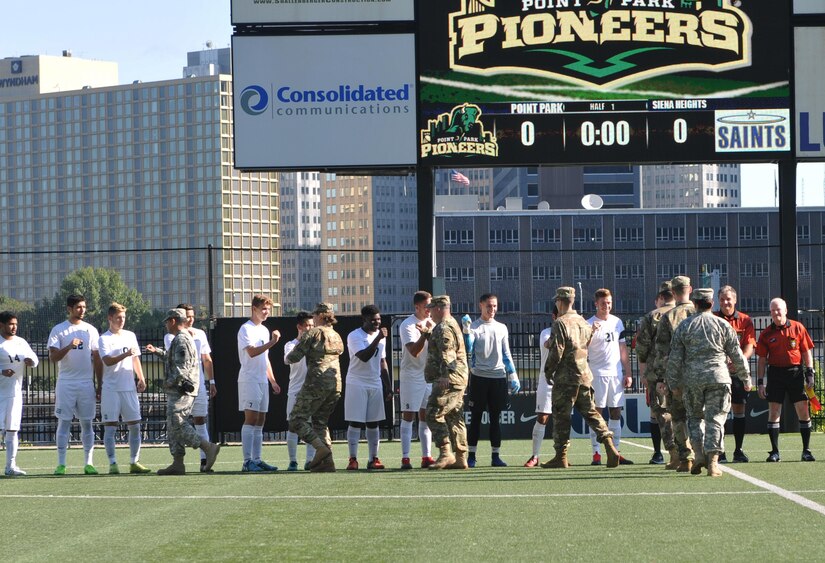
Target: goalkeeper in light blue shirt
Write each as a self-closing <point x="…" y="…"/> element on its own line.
<point x="492" y="374"/>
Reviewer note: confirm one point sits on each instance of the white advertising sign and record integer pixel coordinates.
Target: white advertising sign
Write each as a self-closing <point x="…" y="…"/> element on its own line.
<point x="809" y="6"/>
<point x="320" y="11"/>
<point x="751" y="130"/>
<point x="324" y="101"/>
<point x="809" y="51"/>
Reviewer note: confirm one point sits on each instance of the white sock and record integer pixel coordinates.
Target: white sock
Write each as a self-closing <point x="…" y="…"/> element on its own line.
<point x="472" y="449"/>
<point x="61" y="438"/>
<point x="109" y="442"/>
<point x="353" y="435"/>
<point x="134" y="442"/>
<point x="426" y="438"/>
<point x="615" y="426"/>
<point x="11" y="448"/>
<point x="310" y="452"/>
<point x="246" y="441"/>
<point x="538" y="437"/>
<point x="373" y="438"/>
<point x="203" y="432"/>
<point x="257" y="443"/>
<point x="292" y="446"/>
<point x="87" y="438"/>
<point x="596" y="447"/>
<point x="406" y="437"/>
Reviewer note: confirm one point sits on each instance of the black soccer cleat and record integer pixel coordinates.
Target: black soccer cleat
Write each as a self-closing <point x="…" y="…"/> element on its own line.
<point x="740" y="457"/>
<point x="773" y="457"/>
<point x="807" y="456"/>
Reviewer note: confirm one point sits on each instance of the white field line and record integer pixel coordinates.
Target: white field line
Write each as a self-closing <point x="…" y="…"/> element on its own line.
<point x="538" y="92"/>
<point x="784" y="493"/>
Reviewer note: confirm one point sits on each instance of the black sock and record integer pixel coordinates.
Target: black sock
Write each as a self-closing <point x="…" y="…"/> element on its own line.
<point x="805" y="432"/>
<point x="773" y="432"/>
<point x="739" y="424"/>
<point x="656" y="436"/>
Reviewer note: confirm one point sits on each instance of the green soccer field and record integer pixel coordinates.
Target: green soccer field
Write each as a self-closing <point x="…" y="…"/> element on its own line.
<point x="763" y="512"/>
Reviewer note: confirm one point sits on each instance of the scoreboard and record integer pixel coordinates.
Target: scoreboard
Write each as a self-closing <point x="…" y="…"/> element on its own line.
<point x="529" y="82"/>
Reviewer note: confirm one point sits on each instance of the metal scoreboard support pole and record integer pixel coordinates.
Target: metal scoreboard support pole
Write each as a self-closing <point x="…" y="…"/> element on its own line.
<point x="425" y="186"/>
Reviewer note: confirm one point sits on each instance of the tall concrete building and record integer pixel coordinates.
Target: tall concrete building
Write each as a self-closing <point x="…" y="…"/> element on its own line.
<point x="691" y="186"/>
<point x="135" y="177"/>
<point x="300" y="240"/>
<point x="369" y="234"/>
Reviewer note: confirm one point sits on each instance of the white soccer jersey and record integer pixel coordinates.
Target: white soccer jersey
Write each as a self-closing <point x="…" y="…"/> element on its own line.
<point x="76" y="365"/>
<point x="364" y="373"/>
<point x="543" y="351"/>
<point x="412" y="367"/>
<point x="201" y="346"/>
<point x="13" y="353"/>
<point x="297" y="371"/>
<point x="120" y="376"/>
<point x="252" y="369"/>
<point x="603" y="354"/>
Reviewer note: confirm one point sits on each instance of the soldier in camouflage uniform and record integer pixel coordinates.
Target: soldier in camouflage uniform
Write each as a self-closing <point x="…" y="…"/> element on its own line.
<point x="321" y="347"/>
<point x="661" y="429"/>
<point x="567" y="371"/>
<point x="673" y="399"/>
<point x="698" y="368"/>
<point x="446" y="369"/>
<point x="181" y="386"/>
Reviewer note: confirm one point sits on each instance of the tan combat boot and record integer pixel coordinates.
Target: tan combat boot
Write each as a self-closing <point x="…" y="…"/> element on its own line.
<point x="460" y="461"/>
<point x="322" y="452"/>
<point x="611" y="451"/>
<point x="685" y="466"/>
<point x="211" y="451"/>
<point x="558" y="462"/>
<point x="327" y="465"/>
<point x="713" y="466"/>
<point x="699" y="463"/>
<point x="674" y="458"/>
<point x="445" y="459"/>
<point x="177" y="467"/>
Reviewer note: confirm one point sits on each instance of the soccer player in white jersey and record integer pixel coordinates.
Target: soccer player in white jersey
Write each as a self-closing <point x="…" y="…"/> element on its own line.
<point x="415" y="392"/>
<point x="254" y="342"/>
<point x="544" y="395"/>
<point x="200" y="408"/>
<point x="73" y="346"/>
<point x="15" y="356"/>
<point x="368" y="385"/>
<point x="122" y="381"/>
<point x="492" y="373"/>
<point x="297" y="376"/>
<point x="609" y="361"/>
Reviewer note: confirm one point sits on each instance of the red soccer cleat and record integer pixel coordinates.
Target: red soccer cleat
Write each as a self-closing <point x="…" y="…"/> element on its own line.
<point x="597" y="459"/>
<point x="532" y="462"/>
<point x="426" y="462"/>
<point x="352" y="465"/>
<point x="375" y="464"/>
<point x="405" y="463"/>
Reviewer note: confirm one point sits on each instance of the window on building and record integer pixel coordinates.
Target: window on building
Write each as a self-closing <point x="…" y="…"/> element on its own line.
<point x="629" y="234"/>
<point x="587" y="234"/>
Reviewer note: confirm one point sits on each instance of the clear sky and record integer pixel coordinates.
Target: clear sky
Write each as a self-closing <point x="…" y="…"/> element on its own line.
<point x="149" y="40"/>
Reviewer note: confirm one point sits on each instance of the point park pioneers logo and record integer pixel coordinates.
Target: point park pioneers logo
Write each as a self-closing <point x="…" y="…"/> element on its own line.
<point x="459" y="132"/>
<point x="598" y="43"/>
<point x="254" y="100"/>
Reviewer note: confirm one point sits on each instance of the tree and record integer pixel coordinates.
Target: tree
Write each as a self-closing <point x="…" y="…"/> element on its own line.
<point x="100" y="287"/>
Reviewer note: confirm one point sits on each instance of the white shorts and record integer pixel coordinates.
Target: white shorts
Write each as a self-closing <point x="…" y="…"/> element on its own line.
<point x="363" y="404"/>
<point x="544" y="396"/>
<point x="74" y="399"/>
<point x="201" y="405"/>
<point x="11" y="411"/>
<point x="414" y="395"/>
<point x="290" y="402"/>
<point x="253" y="396"/>
<point x="114" y="404"/>
<point x="608" y="391"/>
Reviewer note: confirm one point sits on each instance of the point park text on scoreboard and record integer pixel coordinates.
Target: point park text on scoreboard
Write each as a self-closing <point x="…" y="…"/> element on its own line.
<point x="509" y="82"/>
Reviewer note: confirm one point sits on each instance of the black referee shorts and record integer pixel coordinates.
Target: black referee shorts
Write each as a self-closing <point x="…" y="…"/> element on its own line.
<point x="782" y="381"/>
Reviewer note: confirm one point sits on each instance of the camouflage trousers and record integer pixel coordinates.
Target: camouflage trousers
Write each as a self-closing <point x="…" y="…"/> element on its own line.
<point x="566" y="397"/>
<point x="180" y="430"/>
<point x="313" y="406"/>
<point x="678" y="418"/>
<point x="445" y="417"/>
<point x="707" y="410"/>
<point x="659" y="413"/>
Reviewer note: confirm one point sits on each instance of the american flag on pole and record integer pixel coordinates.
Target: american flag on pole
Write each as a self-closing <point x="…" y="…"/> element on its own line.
<point x="457" y="176"/>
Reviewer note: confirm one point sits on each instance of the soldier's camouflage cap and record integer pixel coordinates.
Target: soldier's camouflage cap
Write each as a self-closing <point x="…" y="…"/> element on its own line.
<point x="439" y="301"/>
<point x="322" y="308"/>
<point x="679" y="282"/>
<point x="666" y="286"/>
<point x="177" y="314"/>
<point x="565" y="292"/>
<point x="702" y="294"/>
